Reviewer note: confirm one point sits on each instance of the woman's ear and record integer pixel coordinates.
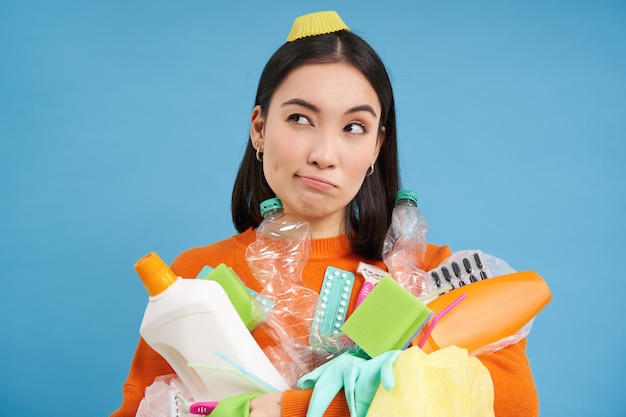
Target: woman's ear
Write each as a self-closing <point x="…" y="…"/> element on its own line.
<point x="382" y="135"/>
<point x="257" y="128"/>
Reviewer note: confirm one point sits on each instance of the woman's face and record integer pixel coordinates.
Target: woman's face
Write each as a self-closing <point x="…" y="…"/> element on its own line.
<point x="319" y="137"/>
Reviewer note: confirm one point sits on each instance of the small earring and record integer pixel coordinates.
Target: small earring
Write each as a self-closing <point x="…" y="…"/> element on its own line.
<point x="259" y="154"/>
<point x="370" y="170"/>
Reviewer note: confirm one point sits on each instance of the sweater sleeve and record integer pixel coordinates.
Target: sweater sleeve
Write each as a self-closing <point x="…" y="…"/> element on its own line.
<point x="296" y="403"/>
<point x="147" y="364"/>
<point x="513" y="384"/>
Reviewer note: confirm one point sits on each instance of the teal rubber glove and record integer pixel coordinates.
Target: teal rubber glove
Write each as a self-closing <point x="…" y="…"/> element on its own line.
<point x="359" y="376"/>
<point x="237" y="406"/>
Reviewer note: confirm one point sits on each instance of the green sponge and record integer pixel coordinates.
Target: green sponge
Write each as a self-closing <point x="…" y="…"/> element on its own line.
<point x="237" y="292"/>
<point x="388" y="318"/>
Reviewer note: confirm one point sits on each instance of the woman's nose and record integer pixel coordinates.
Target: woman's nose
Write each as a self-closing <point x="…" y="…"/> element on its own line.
<point x="323" y="150"/>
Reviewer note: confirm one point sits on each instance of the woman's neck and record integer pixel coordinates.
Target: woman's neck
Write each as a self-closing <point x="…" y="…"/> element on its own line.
<point x="325" y="228"/>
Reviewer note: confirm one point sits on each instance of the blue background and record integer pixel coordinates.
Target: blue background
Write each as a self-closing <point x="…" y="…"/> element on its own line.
<point x="122" y="125"/>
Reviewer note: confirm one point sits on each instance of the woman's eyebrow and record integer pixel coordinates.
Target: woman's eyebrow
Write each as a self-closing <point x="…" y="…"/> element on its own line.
<point x="314" y="108"/>
<point x="303" y="103"/>
<point x="362" y="107"/>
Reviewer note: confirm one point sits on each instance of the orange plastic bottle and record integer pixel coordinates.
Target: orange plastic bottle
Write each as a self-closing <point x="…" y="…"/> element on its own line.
<point x="492" y="309"/>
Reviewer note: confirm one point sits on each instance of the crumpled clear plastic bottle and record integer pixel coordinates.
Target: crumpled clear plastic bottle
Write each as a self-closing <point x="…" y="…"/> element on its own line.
<point x="405" y="244"/>
<point x="277" y="258"/>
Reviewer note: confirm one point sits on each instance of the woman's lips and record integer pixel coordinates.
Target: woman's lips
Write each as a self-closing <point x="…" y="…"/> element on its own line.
<point x="317" y="183"/>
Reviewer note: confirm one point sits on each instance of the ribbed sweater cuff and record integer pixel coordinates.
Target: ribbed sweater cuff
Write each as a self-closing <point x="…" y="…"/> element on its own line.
<point x="296" y="403"/>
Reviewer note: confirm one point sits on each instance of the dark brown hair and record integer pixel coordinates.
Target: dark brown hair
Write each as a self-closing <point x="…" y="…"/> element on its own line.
<point x="369" y="214"/>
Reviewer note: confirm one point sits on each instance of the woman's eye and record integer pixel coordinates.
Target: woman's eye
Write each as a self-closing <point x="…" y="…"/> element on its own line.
<point x="355" y="128"/>
<point x="298" y="118"/>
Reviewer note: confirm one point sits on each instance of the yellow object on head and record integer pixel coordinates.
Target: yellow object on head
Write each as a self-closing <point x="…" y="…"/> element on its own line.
<point x="314" y="24"/>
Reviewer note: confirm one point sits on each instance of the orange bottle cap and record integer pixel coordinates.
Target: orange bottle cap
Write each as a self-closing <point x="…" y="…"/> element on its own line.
<point x="154" y="273"/>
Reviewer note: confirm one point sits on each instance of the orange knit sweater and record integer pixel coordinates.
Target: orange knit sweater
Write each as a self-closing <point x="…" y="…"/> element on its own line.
<point x="515" y="393"/>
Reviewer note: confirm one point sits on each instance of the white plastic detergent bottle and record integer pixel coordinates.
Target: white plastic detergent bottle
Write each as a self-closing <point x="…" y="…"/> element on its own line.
<point x="194" y="326"/>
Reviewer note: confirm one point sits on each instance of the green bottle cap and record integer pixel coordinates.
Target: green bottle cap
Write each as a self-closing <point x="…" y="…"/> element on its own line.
<point x="270" y="204"/>
<point x="406" y="195"/>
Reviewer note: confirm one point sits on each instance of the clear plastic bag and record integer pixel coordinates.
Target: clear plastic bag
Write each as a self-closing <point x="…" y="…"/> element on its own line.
<point x="506" y="341"/>
<point x="158" y="399"/>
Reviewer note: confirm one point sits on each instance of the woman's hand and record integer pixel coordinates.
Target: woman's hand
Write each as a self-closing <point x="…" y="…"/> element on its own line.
<point x="267" y="405"/>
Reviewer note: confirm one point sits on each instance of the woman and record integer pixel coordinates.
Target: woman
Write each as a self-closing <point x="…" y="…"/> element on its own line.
<point x="323" y="140"/>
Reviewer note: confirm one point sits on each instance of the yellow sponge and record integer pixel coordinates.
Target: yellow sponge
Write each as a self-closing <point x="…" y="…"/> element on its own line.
<point x="447" y="382"/>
